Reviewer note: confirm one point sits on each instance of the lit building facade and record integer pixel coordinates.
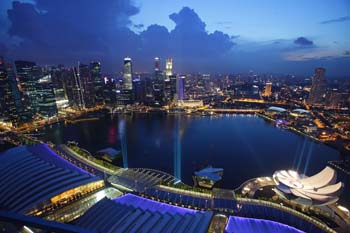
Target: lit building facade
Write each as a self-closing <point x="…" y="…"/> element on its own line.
<point x="28" y="75"/>
<point x="46" y="97"/>
<point x="127" y="73"/>
<point x="95" y="69"/>
<point x="168" y="67"/>
<point x="268" y="89"/>
<point x="318" y="88"/>
<point x="87" y="86"/>
<point x="7" y="102"/>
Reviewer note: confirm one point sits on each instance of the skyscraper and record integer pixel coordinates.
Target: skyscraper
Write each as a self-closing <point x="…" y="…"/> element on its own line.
<point x="158" y="83"/>
<point x="7" y="101"/>
<point x="318" y="88"/>
<point x="95" y="69"/>
<point x="87" y="86"/>
<point x="268" y="89"/>
<point x="156" y="64"/>
<point x="168" y="67"/>
<point x="127" y="73"/>
<point x="46" y="97"/>
<point x="180" y="88"/>
<point x="28" y="75"/>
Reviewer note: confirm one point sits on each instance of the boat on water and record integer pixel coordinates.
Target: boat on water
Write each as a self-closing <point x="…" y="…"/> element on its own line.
<point x="208" y="177"/>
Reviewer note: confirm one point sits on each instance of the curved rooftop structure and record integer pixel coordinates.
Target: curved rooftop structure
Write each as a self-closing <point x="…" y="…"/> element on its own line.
<point x="320" y="189"/>
<point x="301" y="111"/>
<point x="276" y="109"/>
<point x="250" y="225"/>
<point x="30" y="175"/>
<point x="131" y="213"/>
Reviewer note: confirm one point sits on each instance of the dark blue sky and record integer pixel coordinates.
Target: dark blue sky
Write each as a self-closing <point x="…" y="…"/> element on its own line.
<point x="290" y="36"/>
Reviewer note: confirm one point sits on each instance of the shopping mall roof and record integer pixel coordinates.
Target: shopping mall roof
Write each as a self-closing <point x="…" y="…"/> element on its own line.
<point x="244" y="225"/>
<point x="30" y="175"/>
<point x="130" y="213"/>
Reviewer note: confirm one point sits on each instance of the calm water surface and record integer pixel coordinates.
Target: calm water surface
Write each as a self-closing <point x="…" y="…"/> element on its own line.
<point x="246" y="146"/>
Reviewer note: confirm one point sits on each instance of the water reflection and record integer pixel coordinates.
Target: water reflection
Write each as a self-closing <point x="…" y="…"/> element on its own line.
<point x="123" y="141"/>
<point x="177" y="148"/>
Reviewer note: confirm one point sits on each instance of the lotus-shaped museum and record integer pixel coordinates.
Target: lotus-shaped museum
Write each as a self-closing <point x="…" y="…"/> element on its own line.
<point x="320" y="189"/>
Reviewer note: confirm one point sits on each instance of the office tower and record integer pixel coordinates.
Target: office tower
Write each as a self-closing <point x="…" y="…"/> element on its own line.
<point x="110" y="91"/>
<point x="87" y="86"/>
<point x="127" y="73"/>
<point x="268" y="89"/>
<point x="168" y="67"/>
<point x="318" y="88"/>
<point x="158" y="84"/>
<point x="60" y="86"/>
<point x="28" y="75"/>
<point x="71" y="87"/>
<point x="156" y="64"/>
<point x="8" y="109"/>
<point x="95" y="68"/>
<point x="46" y="97"/>
<point x="180" y="88"/>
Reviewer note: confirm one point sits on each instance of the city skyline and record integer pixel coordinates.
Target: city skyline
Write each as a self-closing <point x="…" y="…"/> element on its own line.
<point x="291" y="38"/>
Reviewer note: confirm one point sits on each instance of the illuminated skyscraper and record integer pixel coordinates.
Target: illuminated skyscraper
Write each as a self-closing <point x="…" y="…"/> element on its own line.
<point x="318" y="88"/>
<point x="46" y="97"/>
<point x="180" y="93"/>
<point x="168" y="67"/>
<point x="127" y="73"/>
<point x="95" y="69"/>
<point x="7" y="101"/>
<point x="28" y="75"/>
<point x="156" y="64"/>
<point x="268" y="89"/>
<point x="87" y="86"/>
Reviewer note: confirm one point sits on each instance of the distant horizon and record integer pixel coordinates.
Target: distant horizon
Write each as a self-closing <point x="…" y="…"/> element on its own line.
<point x="116" y="72"/>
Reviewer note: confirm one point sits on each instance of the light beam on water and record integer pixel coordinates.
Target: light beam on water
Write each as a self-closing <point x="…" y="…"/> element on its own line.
<point x="122" y="135"/>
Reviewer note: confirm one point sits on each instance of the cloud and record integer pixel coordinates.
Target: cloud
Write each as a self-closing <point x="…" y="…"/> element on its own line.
<point x="138" y="26"/>
<point x="337" y="20"/>
<point x="347" y="53"/>
<point x="303" y="41"/>
<point x="53" y="32"/>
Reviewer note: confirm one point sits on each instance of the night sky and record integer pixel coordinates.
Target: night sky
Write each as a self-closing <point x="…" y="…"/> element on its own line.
<point x="290" y="36"/>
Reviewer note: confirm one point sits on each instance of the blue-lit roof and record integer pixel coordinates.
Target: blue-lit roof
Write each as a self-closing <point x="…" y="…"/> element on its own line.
<point x="30" y="175"/>
<point x="131" y="213"/>
<point x="212" y="176"/>
<point x="212" y="169"/>
<point x="210" y="173"/>
<point x="251" y="225"/>
<point x="109" y="151"/>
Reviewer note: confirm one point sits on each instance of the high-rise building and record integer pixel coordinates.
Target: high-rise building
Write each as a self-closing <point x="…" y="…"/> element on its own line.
<point x="28" y="75"/>
<point x="95" y="68"/>
<point x="156" y="64"/>
<point x="268" y="89"/>
<point x="127" y="73"/>
<point x="46" y="97"/>
<point x="168" y="67"/>
<point x="158" y="84"/>
<point x="8" y="109"/>
<point x="318" y="88"/>
<point x="87" y="86"/>
<point x="180" y="88"/>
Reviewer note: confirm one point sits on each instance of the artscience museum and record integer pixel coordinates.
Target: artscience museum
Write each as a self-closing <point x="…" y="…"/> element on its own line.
<point x="320" y="189"/>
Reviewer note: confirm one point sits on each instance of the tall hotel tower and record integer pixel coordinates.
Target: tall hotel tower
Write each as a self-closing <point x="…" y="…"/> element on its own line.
<point x="127" y="73"/>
